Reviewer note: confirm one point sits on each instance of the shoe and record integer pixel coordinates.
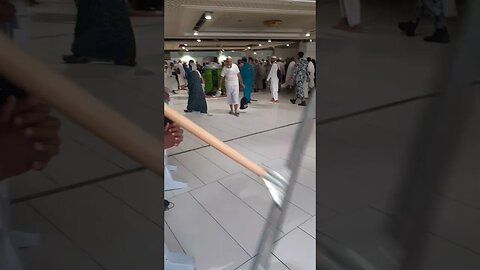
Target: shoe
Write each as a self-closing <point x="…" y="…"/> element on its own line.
<point x="126" y="62"/>
<point x="188" y="111"/>
<point x="236" y="114"/>
<point x="440" y="36"/>
<point x="302" y="104"/>
<point x="272" y="100"/>
<point x="276" y="101"/>
<point x="73" y="59"/>
<point x="166" y="205"/>
<point x="408" y="27"/>
<point x="293" y="101"/>
<point x="205" y="112"/>
<point x="230" y="112"/>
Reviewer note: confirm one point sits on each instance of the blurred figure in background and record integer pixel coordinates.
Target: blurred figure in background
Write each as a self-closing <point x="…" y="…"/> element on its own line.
<point x="273" y="77"/>
<point x="192" y="65"/>
<point x="247" y="73"/>
<point x="259" y="75"/>
<point x="300" y="75"/>
<point x="103" y="31"/>
<point x="289" y="80"/>
<point x="350" y="12"/>
<point x="434" y="8"/>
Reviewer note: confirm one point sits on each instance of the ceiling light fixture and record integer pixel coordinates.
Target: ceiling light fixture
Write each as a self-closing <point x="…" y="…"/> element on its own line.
<point x="260" y="45"/>
<point x="254" y="52"/>
<point x="183" y="47"/>
<point x="269" y="40"/>
<point x="195" y="33"/>
<point x="288" y="45"/>
<point x="208" y="15"/>
<point x="199" y="40"/>
<point x="307" y="34"/>
<point x="186" y="50"/>
<point x="311" y="40"/>
<point x="248" y="47"/>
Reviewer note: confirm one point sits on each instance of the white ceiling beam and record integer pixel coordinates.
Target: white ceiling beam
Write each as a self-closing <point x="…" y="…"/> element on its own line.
<point x="309" y="12"/>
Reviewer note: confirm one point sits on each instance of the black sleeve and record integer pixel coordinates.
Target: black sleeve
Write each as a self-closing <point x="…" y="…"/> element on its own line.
<point x="166" y="120"/>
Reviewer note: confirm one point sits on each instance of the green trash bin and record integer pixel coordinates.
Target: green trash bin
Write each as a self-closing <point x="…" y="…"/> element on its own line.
<point x="211" y="75"/>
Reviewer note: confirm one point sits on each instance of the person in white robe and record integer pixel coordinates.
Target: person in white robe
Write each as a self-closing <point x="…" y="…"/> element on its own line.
<point x="274" y="79"/>
<point x="289" y="81"/>
<point x="350" y="12"/>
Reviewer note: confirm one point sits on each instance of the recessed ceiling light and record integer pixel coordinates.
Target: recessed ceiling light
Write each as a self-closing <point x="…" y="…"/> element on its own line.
<point x="195" y="33"/>
<point x="186" y="50"/>
<point x="208" y="15"/>
<point x="311" y="40"/>
<point x="183" y="47"/>
<point x="248" y="47"/>
<point x="199" y="40"/>
<point x="254" y="52"/>
<point x="288" y="45"/>
<point x="185" y="44"/>
<point x="269" y="40"/>
<point x="307" y="34"/>
<point x="260" y="45"/>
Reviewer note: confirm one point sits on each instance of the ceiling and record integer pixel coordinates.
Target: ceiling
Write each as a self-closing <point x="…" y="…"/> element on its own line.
<point x="236" y="24"/>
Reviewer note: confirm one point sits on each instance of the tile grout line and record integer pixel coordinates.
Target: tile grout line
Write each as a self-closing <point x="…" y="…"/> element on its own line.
<point x="265" y="218"/>
<point x="430" y="232"/>
<point x="223" y="228"/>
<point x="174" y="236"/>
<point x="66" y="236"/>
<point x="375" y="109"/>
<point x="303" y="210"/>
<point x="75" y="185"/>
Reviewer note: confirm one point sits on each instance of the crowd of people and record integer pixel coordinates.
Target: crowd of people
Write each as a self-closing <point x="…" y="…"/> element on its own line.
<point x="251" y="75"/>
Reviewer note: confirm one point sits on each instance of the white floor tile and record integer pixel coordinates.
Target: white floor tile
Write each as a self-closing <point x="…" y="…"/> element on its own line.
<point x="224" y="162"/>
<point x="231" y="213"/>
<point x="202" y="237"/>
<point x="274" y="263"/>
<point x="309" y="227"/>
<point x="201" y="167"/>
<point x="76" y="163"/>
<point x="111" y="232"/>
<point x="296" y="250"/>
<point x="184" y="175"/>
<point x="28" y="184"/>
<point x="258" y="197"/>
<point x="142" y="191"/>
<point x="55" y="251"/>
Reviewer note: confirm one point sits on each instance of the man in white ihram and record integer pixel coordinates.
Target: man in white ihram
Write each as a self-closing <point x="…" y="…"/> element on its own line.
<point x="274" y="80"/>
<point x="231" y="76"/>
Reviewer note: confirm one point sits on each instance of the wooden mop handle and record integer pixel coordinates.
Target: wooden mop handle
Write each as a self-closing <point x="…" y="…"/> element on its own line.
<point x="74" y="102"/>
<point x="213" y="141"/>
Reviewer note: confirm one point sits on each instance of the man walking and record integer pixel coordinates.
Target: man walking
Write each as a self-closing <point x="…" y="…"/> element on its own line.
<point x="289" y="80"/>
<point x="300" y="75"/>
<point x="246" y="71"/>
<point x="274" y="79"/>
<point x="231" y="76"/>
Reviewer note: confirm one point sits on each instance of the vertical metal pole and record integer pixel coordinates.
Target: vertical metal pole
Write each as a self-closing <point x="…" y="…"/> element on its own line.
<point x="277" y="212"/>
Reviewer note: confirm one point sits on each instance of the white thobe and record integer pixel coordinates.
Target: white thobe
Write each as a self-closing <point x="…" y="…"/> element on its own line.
<point x="350" y="9"/>
<point x="272" y="76"/>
